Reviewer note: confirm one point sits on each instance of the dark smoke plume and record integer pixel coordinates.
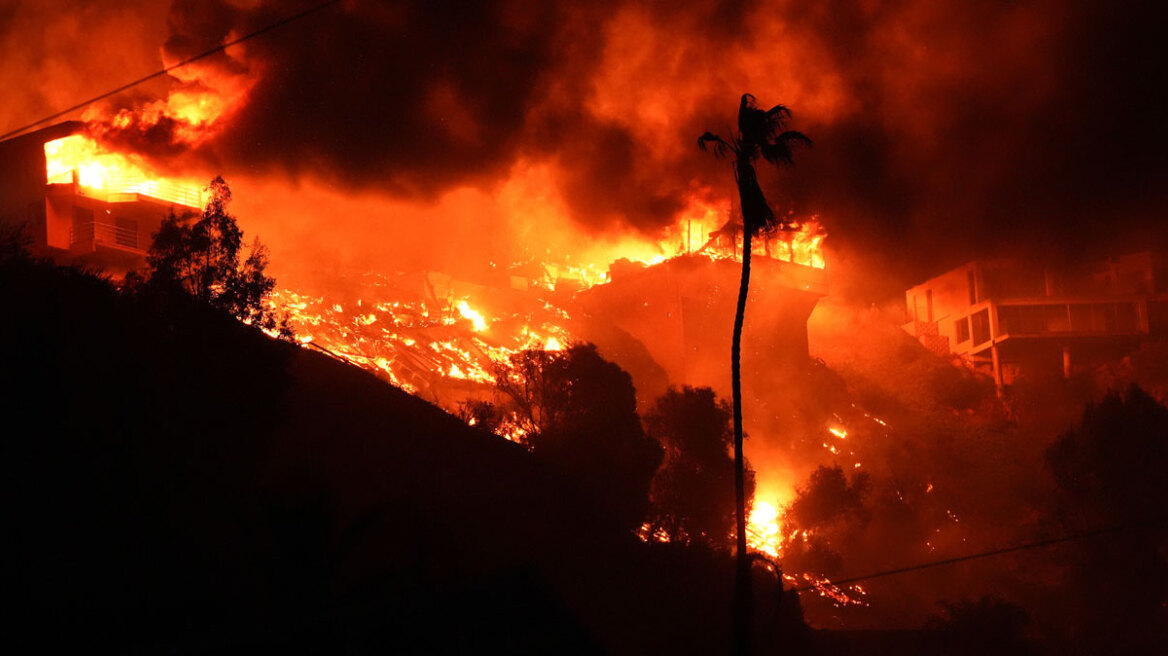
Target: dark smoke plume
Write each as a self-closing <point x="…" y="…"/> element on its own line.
<point x="943" y="131"/>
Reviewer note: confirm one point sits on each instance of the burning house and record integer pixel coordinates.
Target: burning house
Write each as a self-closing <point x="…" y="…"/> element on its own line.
<point x="1015" y="319"/>
<point x="680" y="309"/>
<point x="81" y="204"/>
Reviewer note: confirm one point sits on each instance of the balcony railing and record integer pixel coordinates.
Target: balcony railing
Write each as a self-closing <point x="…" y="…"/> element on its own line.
<point x="128" y="189"/>
<point x="1086" y="317"/>
<point x="106" y="234"/>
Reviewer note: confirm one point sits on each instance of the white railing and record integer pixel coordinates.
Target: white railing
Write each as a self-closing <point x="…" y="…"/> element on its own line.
<point x="108" y="234"/>
<point x="115" y="189"/>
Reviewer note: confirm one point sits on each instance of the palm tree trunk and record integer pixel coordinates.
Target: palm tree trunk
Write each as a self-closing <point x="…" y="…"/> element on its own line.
<point x="742" y="587"/>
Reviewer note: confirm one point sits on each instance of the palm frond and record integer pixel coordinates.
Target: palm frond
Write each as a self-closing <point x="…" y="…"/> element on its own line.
<point x="781" y="149"/>
<point x="779" y="113"/>
<point x="721" y="147"/>
<point x="793" y="137"/>
<point x="761" y="133"/>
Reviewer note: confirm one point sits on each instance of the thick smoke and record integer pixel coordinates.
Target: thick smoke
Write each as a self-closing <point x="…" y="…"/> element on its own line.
<point x="54" y="53"/>
<point x="942" y="131"/>
<point x="948" y="130"/>
<point x="409" y="98"/>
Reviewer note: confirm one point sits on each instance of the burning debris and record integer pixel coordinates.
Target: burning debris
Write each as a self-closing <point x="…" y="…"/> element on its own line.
<point x="428" y="343"/>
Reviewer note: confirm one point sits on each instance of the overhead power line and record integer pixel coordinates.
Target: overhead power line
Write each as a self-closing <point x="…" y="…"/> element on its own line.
<point x="984" y="554"/>
<point x="129" y="85"/>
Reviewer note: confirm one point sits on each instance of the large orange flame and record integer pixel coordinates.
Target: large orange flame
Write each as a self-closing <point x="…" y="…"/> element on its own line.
<point x="81" y="160"/>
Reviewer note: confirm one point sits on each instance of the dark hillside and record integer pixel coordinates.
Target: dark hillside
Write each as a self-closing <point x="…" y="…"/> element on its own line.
<point x="174" y="481"/>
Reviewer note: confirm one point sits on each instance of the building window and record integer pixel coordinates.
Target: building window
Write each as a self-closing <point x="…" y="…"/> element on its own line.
<point x="980" y="326"/>
<point x="962" y="326"/>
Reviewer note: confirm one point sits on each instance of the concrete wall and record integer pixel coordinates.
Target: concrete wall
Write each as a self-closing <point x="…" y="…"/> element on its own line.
<point x="683" y="312"/>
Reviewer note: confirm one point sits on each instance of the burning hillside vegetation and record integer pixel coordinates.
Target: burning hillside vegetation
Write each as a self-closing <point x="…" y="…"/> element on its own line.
<point x="658" y="308"/>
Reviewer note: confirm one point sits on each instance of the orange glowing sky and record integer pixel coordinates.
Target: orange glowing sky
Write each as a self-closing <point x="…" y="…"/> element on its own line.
<point x="511" y="127"/>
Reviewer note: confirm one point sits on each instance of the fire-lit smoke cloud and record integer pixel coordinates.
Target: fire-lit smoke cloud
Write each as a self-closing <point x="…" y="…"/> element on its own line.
<point x="943" y="130"/>
<point x="56" y="52"/>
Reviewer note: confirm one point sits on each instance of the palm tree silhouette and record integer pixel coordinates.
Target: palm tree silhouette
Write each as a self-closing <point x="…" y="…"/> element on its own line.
<point x="760" y="134"/>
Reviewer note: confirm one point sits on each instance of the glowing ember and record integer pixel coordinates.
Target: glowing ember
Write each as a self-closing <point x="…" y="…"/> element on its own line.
<point x="836" y="594"/>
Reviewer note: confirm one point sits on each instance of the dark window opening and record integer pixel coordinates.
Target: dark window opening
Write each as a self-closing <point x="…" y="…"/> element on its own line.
<point x="980" y="326"/>
<point x="962" y="326"/>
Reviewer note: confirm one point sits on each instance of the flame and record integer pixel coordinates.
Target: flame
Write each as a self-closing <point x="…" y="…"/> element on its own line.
<point x="475" y="317"/>
<point x="203" y="99"/>
<point x="80" y="159"/>
<point x="417" y="345"/>
<point x="704" y="227"/>
<point x="764" y="529"/>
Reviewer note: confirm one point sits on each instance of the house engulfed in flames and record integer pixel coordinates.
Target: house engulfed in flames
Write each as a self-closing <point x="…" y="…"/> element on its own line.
<point x="1015" y="319"/>
<point x="80" y="204"/>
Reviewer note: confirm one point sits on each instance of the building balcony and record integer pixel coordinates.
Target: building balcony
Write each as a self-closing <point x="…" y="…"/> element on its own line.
<point x="88" y="237"/>
<point x="131" y="190"/>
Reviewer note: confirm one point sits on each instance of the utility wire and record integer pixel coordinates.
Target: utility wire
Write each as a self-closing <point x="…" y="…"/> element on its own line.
<point x="984" y="554"/>
<point x="168" y="69"/>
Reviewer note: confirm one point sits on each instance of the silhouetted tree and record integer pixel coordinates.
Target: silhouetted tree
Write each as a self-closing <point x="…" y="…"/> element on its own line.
<point x="481" y="414"/>
<point x="828" y="508"/>
<point x="533" y="382"/>
<point x="760" y="134"/>
<point x="693" y="494"/>
<point x="580" y="417"/>
<point x="829" y="498"/>
<point x="199" y="255"/>
<point x="1109" y="472"/>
